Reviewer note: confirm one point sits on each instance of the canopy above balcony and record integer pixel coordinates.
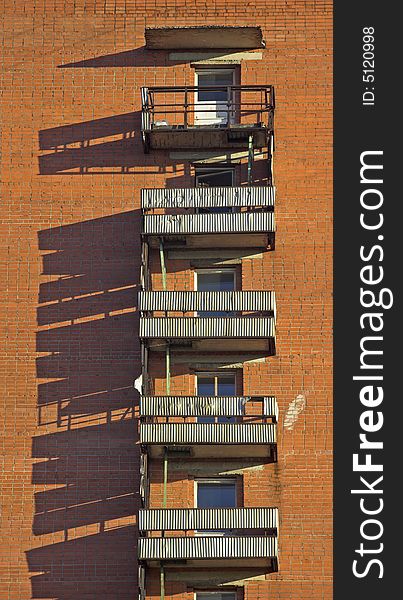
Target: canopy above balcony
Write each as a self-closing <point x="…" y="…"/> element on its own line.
<point x="207" y="37"/>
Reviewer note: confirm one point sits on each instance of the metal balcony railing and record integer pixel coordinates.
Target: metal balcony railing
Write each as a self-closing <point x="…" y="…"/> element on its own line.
<point x="183" y="117"/>
<point x="164" y="106"/>
<point x="195" y="406"/>
<point x="208" y="519"/>
<point x="208" y="197"/>
<point x="207" y="327"/>
<point x="207" y="547"/>
<point x="189" y="301"/>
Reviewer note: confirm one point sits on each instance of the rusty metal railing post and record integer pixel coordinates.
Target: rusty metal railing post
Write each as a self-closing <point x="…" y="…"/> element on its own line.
<point x="185" y="120"/>
<point x="250" y="159"/>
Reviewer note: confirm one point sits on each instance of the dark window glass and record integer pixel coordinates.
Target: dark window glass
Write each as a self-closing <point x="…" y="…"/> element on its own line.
<point x="215" y="596"/>
<point x="216" y="385"/>
<point x="216" y="495"/>
<point x="218" y="79"/>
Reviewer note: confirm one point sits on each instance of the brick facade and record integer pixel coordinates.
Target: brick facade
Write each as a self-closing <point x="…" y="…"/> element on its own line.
<point x="70" y="238"/>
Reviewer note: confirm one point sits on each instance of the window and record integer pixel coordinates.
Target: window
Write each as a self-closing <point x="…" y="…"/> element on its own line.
<point x="218" y="177"/>
<point x="214" y="77"/>
<point x="215" y="280"/>
<point x="214" y="177"/>
<point x="216" y="384"/>
<point x="212" y="104"/>
<point x="216" y="493"/>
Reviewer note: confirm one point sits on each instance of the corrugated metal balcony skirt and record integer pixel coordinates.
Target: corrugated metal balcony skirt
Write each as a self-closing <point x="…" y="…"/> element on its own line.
<point x="207" y="547"/>
<point x="207" y="433"/>
<point x="189" y="406"/>
<point x="187" y="301"/>
<point x="208" y="197"/>
<point x="208" y="518"/>
<point x="207" y="327"/>
<point x="187" y="224"/>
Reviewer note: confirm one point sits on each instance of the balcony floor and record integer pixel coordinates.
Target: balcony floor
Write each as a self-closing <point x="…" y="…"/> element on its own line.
<point x="214" y="563"/>
<point x="258" y="241"/>
<point x="216" y="451"/>
<point x="201" y="137"/>
<point x="213" y="577"/>
<point x="264" y="347"/>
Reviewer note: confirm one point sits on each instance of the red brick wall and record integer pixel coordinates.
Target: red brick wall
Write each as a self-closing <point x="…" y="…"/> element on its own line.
<point x="70" y="272"/>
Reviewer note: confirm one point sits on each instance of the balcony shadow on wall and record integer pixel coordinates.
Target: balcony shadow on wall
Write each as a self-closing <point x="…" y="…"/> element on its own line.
<point x="89" y="353"/>
<point x="95" y="566"/>
<point x="84" y="149"/>
<point x="101" y="146"/>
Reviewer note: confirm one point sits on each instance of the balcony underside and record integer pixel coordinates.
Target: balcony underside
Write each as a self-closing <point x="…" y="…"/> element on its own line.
<point x="216" y="563"/>
<point x="209" y="551"/>
<point x="217" y="440"/>
<point x="246" y="239"/>
<point x="267" y="564"/>
<point x="249" y="346"/>
<point x="222" y="577"/>
<point x="201" y="137"/>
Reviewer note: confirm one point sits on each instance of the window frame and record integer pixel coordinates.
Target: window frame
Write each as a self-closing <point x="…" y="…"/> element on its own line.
<point x="212" y="70"/>
<point x="222" y="270"/>
<point x="221" y="169"/>
<point x="205" y="171"/>
<point x="216" y="374"/>
<point x="213" y="314"/>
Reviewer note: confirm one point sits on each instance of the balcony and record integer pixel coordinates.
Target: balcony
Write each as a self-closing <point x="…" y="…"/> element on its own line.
<point x="246" y="537"/>
<point x="255" y="325"/>
<point x="250" y="224"/>
<point x="250" y="432"/>
<point x="247" y="219"/>
<point x="174" y="118"/>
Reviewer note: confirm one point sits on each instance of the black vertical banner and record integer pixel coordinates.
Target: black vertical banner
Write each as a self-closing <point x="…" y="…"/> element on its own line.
<point x="368" y="267"/>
